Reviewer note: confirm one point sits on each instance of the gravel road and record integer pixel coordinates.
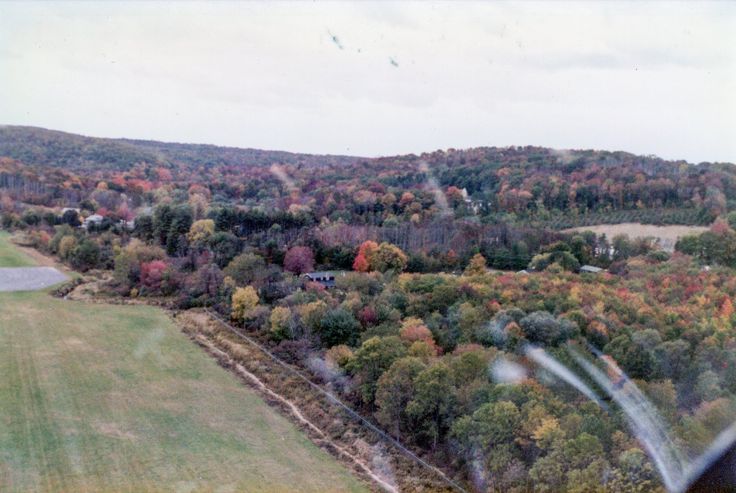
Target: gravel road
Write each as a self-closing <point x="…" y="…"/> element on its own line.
<point x="29" y="278"/>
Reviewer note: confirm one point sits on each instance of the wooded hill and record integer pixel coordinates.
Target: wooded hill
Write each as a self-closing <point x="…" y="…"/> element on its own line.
<point x="33" y="145"/>
<point x="520" y="186"/>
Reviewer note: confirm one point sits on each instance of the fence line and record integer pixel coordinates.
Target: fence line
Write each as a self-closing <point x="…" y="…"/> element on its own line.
<point x="365" y="422"/>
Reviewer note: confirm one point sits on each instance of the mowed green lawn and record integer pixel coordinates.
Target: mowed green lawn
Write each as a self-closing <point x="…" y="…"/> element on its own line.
<point x="97" y="398"/>
<point x="11" y="256"/>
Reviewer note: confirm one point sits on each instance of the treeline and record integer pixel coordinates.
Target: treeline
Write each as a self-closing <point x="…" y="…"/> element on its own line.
<point x="660" y="217"/>
<point x="443" y="245"/>
<point x="515" y="185"/>
<point x="716" y="246"/>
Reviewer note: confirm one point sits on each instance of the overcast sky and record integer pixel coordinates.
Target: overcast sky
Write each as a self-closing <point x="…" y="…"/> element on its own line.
<point x="379" y="78"/>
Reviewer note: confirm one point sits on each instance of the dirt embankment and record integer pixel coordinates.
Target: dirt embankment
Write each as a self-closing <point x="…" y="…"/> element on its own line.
<point x="326" y="423"/>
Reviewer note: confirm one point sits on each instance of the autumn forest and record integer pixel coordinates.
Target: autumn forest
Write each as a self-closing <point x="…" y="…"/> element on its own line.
<point x="417" y="288"/>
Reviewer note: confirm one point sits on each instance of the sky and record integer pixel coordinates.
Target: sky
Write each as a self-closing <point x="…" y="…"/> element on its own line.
<point x="381" y="78"/>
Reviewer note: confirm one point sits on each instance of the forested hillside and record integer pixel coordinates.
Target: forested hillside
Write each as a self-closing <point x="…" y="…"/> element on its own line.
<point x="419" y="329"/>
<point x="517" y="184"/>
<point x="78" y="153"/>
<point x="506" y="202"/>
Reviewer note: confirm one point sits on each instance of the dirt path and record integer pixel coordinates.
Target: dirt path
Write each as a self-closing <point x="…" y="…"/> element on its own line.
<point x="39" y="257"/>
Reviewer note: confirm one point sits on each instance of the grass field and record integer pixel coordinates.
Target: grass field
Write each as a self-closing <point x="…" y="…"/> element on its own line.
<point x="11" y="256"/>
<point x="667" y="235"/>
<point x="97" y="398"/>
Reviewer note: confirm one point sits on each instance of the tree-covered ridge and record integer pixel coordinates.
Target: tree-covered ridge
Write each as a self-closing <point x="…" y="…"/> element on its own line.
<point x="39" y="146"/>
<point x="514" y="185"/>
<point x="539" y="182"/>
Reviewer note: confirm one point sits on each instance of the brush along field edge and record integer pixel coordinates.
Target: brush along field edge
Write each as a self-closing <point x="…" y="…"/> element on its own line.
<point x="337" y="430"/>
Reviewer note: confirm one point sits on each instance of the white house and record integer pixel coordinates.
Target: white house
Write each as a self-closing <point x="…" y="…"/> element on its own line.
<point x="94" y="219"/>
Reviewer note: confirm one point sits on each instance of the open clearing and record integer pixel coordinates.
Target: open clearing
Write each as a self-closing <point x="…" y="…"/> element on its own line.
<point x="667" y="235"/>
<point x="103" y="398"/>
<point x="116" y="398"/>
<point x="10" y="256"/>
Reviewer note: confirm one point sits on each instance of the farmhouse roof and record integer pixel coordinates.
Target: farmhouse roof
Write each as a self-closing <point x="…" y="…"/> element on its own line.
<point x="320" y="275"/>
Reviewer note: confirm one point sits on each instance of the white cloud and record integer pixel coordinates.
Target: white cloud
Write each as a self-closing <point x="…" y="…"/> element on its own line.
<point x="645" y="77"/>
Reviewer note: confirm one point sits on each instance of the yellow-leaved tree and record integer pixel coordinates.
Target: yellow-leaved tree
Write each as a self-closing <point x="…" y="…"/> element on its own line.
<point x="476" y="266"/>
<point x="387" y="257"/>
<point x="280" y="320"/>
<point x="244" y="301"/>
<point x="201" y="230"/>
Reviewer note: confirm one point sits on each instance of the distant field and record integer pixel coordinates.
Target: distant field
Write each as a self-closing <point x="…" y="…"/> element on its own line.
<point x="11" y="256"/>
<point x="667" y="235"/>
<point x="97" y="398"/>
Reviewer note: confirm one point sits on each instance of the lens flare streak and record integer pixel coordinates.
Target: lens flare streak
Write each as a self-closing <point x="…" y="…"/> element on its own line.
<point x="540" y="356"/>
<point x="642" y="417"/>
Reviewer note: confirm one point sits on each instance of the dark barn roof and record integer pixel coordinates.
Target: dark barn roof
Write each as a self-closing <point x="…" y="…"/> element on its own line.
<point x="326" y="278"/>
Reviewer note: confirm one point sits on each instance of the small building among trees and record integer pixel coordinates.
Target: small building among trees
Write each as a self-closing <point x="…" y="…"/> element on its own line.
<point x="327" y="279"/>
<point x="94" y="219"/>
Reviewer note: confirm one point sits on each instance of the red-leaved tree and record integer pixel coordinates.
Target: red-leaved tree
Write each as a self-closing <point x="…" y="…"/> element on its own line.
<point x="362" y="260"/>
<point x="152" y="273"/>
<point x="299" y="259"/>
<point x="360" y="264"/>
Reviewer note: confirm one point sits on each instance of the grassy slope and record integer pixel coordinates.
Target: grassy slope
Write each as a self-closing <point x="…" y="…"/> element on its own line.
<point x="115" y="398"/>
<point x="10" y="256"/>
